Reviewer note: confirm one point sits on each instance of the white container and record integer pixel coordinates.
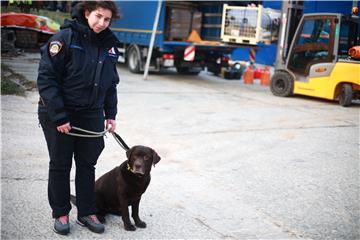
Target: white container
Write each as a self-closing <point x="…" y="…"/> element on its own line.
<point x="249" y="25"/>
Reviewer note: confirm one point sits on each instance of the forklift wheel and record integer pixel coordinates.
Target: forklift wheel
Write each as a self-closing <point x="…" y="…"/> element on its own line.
<point x="282" y="84"/>
<point x="345" y="96"/>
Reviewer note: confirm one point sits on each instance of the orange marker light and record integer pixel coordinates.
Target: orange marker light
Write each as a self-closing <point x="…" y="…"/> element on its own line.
<point x="355" y="10"/>
<point x="319" y="70"/>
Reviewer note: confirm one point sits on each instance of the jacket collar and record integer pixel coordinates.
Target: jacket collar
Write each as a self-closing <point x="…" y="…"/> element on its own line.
<point x="106" y="38"/>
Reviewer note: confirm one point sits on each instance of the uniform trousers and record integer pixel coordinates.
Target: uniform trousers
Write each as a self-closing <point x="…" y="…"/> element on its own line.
<point x="62" y="150"/>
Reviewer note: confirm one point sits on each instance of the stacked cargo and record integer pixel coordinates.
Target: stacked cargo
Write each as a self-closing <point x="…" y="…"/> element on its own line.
<point x="181" y="19"/>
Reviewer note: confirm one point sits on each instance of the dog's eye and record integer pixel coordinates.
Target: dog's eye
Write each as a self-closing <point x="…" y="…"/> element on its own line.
<point x="146" y="157"/>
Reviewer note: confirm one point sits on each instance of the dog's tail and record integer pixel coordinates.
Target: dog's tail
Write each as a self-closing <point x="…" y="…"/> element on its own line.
<point x="73" y="199"/>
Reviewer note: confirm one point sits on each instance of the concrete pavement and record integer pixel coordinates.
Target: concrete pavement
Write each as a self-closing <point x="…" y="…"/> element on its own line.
<point x="237" y="163"/>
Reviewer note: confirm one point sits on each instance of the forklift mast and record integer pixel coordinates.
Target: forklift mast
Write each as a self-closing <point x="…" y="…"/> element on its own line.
<point x="291" y="13"/>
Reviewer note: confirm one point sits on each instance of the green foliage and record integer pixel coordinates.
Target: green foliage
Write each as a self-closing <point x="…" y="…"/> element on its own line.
<point x="8" y="87"/>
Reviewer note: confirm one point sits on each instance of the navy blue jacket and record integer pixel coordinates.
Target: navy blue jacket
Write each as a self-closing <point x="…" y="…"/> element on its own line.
<point x="78" y="76"/>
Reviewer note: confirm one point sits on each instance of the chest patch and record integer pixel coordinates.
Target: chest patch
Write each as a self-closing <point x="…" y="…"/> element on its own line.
<point x="55" y="48"/>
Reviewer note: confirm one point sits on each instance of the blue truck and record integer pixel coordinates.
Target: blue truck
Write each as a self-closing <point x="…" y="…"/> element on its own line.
<point x="177" y="20"/>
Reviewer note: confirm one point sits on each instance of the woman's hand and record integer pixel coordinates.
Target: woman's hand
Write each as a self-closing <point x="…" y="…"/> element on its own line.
<point x="65" y="128"/>
<point x="112" y="123"/>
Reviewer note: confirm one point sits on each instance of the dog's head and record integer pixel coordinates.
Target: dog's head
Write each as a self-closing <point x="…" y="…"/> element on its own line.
<point x="140" y="159"/>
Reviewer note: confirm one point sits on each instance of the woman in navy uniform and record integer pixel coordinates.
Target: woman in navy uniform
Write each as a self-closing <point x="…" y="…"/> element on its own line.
<point x="77" y="85"/>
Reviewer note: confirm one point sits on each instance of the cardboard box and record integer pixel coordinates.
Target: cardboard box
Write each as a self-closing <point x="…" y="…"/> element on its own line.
<point x="180" y="22"/>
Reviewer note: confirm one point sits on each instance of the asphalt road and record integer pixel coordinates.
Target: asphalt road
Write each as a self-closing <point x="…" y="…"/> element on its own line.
<point x="237" y="162"/>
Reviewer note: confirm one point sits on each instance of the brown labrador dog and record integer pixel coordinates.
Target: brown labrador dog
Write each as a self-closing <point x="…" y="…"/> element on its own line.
<point x="124" y="185"/>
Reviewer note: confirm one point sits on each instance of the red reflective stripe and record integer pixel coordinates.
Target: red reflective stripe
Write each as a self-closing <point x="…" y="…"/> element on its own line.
<point x="252" y="55"/>
<point x="191" y="50"/>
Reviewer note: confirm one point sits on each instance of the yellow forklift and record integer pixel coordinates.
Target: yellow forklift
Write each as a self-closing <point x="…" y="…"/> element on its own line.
<point x="314" y="59"/>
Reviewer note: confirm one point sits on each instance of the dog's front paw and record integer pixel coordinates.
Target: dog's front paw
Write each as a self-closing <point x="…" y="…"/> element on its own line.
<point x="130" y="227"/>
<point x="140" y="224"/>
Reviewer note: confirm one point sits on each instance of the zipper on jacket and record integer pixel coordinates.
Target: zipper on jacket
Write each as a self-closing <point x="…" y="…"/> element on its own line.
<point x="96" y="80"/>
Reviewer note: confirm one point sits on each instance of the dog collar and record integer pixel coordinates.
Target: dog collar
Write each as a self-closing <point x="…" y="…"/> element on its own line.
<point x="129" y="168"/>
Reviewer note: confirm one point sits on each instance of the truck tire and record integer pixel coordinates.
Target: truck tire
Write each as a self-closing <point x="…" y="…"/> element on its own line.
<point x="133" y="59"/>
<point x="187" y="71"/>
<point x="346" y="95"/>
<point x="282" y="84"/>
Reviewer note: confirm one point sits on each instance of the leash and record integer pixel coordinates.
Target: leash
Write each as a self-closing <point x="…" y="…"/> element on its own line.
<point x="120" y="141"/>
<point x="92" y="134"/>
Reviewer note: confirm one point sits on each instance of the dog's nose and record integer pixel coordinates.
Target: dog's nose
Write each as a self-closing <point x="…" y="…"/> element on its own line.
<point x="137" y="166"/>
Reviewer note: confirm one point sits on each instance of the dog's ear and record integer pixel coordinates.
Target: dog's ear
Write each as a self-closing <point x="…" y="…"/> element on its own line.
<point x="156" y="157"/>
<point x="129" y="152"/>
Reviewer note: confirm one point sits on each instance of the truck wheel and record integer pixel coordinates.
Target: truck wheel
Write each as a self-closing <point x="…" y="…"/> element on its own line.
<point x="346" y="94"/>
<point x="187" y="71"/>
<point x="282" y="84"/>
<point x="133" y="60"/>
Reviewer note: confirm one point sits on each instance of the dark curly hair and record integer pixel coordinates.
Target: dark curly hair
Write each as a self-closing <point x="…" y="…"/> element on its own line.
<point x="93" y="5"/>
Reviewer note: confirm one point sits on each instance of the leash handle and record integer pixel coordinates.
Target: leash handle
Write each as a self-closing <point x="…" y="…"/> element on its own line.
<point x="88" y="131"/>
<point x="92" y="134"/>
<point x="89" y="134"/>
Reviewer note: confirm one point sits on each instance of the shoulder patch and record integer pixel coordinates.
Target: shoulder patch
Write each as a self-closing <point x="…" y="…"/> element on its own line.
<point x="55" y="47"/>
<point x="112" y="52"/>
